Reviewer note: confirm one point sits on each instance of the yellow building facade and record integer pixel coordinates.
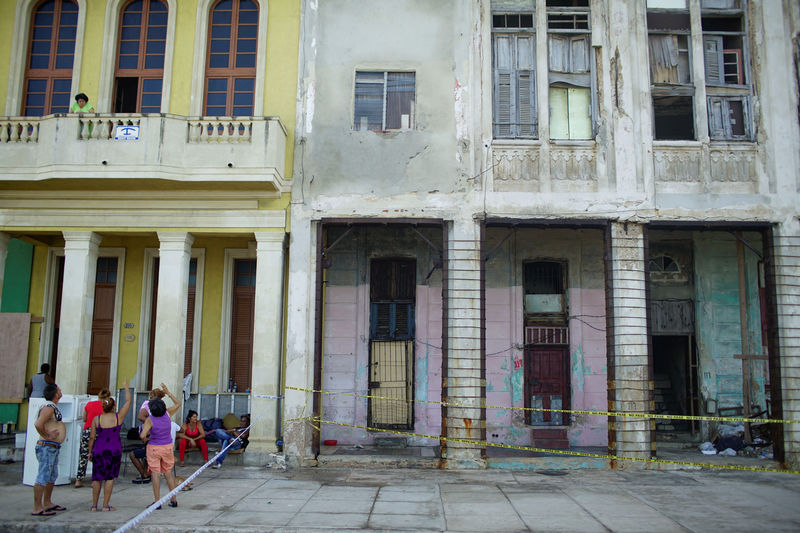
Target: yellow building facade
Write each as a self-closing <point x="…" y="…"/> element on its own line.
<point x="147" y="237"/>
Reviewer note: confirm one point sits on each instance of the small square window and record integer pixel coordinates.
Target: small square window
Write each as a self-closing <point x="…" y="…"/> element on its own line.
<point x="384" y="101"/>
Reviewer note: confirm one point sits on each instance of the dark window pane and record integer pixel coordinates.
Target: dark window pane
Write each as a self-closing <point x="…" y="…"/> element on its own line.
<point x="244" y="84"/>
<point x="128" y="62"/>
<point x="221" y="17"/>
<point x="245" y="111"/>
<point x="220" y="46"/>
<point x="40" y="47"/>
<point x="152" y="86"/>
<point x="216" y="99"/>
<point x="132" y="19"/>
<point x="217" y="84"/>
<point x="249" y="31"/>
<point x="246" y="45"/>
<point x="218" y="61"/>
<point x="40" y="61"/>
<point x="243" y="99"/>
<point x="151" y="100"/>
<point x="154" y="62"/>
<point x="157" y="34"/>
<point x="69" y="19"/>
<point x="129" y="33"/>
<point x="38" y="86"/>
<point x="64" y="62"/>
<point x="156" y="47"/>
<point x="62" y="86"/>
<point x="215" y="111"/>
<point x="43" y="19"/>
<point x="129" y="47"/>
<point x="69" y="5"/>
<point x="158" y="19"/>
<point x="59" y="103"/>
<point x="157" y="5"/>
<point x="220" y="32"/>
<point x="65" y="47"/>
<point x="245" y="60"/>
<point x="68" y="33"/>
<point x="34" y="100"/>
<point x="42" y="33"/>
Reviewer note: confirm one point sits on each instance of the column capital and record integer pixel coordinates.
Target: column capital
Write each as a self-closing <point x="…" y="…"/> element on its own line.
<point x="270" y="240"/>
<point x="81" y="239"/>
<point x="176" y="241"/>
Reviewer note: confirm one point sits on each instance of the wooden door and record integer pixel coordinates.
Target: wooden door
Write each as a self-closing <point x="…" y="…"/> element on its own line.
<point x="57" y="314"/>
<point x="546" y="383"/>
<point x="102" y="324"/>
<point x="243" y="311"/>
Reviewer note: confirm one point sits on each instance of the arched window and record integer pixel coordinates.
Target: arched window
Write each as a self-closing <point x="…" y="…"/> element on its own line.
<point x="140" y="57"/>
<point x="231" y="59"/>
<point x="48" y="76"/>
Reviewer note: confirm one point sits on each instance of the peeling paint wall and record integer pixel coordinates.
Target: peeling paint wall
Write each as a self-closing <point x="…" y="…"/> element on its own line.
<point x="582" y="250"/>
<point x="346" y="331"/>
<point x="718" y="321"/>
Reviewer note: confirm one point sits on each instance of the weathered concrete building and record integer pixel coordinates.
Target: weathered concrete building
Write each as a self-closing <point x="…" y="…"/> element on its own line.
<point x="506" y="209"/>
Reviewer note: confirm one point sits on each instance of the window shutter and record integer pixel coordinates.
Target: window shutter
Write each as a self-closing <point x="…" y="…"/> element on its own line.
<point x="580" y="117"/>
<point x="712" y="51"/>
<point x="579" y="55"/>
<point x="559" y="53"/>
<point x="716" y="118"/>
<point x="525" y="99"/>
<point x="559" y="117"/>
<point x="503" y="77"/>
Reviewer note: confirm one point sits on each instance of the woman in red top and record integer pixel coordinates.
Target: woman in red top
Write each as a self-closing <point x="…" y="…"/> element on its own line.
<point x="193" y="436"/>
<point x="91" y="410"/>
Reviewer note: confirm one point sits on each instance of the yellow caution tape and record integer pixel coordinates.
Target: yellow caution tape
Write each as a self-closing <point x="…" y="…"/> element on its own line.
<point x="576" y="411"/>
<point x="610" y="457"/>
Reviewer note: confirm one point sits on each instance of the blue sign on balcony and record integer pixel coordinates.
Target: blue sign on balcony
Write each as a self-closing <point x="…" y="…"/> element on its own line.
<point x="126" y="133"/>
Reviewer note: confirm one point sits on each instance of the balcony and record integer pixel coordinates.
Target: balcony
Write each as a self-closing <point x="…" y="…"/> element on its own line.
<point x="717" y="168"/>
<point x="247" y="151"/>
<point x="539" y="167"/>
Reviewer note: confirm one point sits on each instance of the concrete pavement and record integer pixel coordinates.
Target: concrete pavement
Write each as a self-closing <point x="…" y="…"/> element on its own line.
<point x="241" y="498"/>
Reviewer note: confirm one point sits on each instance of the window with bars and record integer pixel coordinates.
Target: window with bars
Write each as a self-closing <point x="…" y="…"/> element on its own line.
<point x="384" y="101"/>
<point x="231" y="61"/>
<point x="48" y="76"/>
<point x="514" y="65"/>
<point x="140" y="57"/>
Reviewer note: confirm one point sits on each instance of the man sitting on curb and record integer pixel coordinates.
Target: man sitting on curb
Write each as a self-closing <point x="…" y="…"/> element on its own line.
<point x="224" y="436"/>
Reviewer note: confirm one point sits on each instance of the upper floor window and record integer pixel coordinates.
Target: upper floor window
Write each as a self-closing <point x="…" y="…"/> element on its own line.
<point x="514" y="58"/>
<point x="231" y="58"/>
<point x="384" y="101"/>
<point x="569" y="69"/>
<point x="140" y="57"/>
<point x="725" y="56"/>
<point x="669" y="36"/>
<point x="48" y="76"/>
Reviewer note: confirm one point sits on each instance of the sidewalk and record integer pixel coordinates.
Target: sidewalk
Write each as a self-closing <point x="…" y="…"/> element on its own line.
<point x="241" y="498"/>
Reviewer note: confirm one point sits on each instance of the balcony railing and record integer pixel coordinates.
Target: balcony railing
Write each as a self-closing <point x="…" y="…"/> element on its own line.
<point x="539" y="167"/>
<point x="156" y="146"/>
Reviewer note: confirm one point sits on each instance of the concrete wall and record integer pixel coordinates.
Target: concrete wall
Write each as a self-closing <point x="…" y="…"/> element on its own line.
<point x="582" y="251"/>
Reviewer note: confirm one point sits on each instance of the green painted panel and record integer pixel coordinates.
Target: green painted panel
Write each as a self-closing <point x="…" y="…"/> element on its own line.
<point x="17" y="280"/>
<point x="9" y="412"/>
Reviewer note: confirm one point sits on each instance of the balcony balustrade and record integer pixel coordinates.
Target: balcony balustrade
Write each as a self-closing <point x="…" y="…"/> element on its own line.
<point x="153" y="146"/>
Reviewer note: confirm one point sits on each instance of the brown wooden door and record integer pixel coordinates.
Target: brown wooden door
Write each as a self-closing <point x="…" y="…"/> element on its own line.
<point x="102" y="324"/>
<point x="546" y="383"/>
<point x="243" y="311"/>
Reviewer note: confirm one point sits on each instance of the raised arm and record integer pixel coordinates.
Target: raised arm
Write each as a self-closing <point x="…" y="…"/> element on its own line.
<point x="175" y="401"/>
<point x="127" y="405"/>
<point x="145" y="433"/>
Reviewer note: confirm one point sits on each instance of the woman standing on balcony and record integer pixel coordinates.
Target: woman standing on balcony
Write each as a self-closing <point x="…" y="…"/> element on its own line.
<point x="81" y="104"/>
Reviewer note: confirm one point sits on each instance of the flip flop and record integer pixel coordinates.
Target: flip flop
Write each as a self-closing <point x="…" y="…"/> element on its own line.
<point x="107" y="508"/>
<point x="44" y="512"/>
<point x="93" y="508"/>
<point x="56" y="508"/>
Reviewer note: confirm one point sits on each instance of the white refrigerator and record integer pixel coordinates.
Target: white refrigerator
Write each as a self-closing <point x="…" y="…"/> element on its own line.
<point x="71" y="407"/>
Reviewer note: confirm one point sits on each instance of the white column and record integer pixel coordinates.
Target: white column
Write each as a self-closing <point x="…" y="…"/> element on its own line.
<point x="464" y="385"/>
<point x="631" y="369"/>
<point x="787" y="289"/>
<point x="5" y="238"/>
<point x="267" y="341"/>
<point x="174" y="252"/>
<point x="77" y="308"/>
<point x="299" y="371"/>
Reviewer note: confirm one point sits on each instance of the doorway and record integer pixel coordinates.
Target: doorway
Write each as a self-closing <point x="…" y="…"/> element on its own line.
<point x="675" y="382"/>
<point x="102" y="324"/>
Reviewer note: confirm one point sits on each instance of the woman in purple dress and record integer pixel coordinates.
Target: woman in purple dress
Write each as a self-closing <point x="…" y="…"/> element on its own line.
<point x="105" y="449"/>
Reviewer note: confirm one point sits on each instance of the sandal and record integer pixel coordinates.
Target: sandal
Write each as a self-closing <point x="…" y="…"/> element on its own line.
<point x="93" y="508"/>
<point x="107" y="508"/>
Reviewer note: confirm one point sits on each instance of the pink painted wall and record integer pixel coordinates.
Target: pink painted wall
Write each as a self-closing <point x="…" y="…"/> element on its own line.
<point x="346" y="359"/>
<point x="504" y="367"/>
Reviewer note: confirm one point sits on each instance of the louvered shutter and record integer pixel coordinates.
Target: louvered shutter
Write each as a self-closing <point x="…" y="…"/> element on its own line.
<point x="559" y="53"/>
<point x="503" y="86"/>
<point x="712" y="51"/>
<point x="526" y="100"/>
<point x="579" y="55"/>
<point x="716" y="118"/>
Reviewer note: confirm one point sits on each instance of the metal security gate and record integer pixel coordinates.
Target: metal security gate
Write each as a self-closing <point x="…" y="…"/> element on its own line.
<point x="391" y="347"/>
<point x="390" y="380"/>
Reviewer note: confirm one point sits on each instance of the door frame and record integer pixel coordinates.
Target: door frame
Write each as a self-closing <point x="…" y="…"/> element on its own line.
<point x="48" y="307"/>
<point x="231" y="254"/>
<point x="145" y="311"/>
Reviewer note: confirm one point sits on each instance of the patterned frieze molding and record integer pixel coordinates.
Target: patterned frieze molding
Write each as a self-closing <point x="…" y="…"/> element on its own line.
<point x="734" y="169"/>
<point x="516" y="168"/>
<point x="573" y="169"/>
<point x="730" y="168"/>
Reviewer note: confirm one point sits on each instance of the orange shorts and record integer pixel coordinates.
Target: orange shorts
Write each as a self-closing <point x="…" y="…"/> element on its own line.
<point x="160" y="458"/>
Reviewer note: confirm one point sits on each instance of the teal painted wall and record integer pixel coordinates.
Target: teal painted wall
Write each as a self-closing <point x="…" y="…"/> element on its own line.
<point x="17" y="281"/>
<point x="718" y="324"/>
